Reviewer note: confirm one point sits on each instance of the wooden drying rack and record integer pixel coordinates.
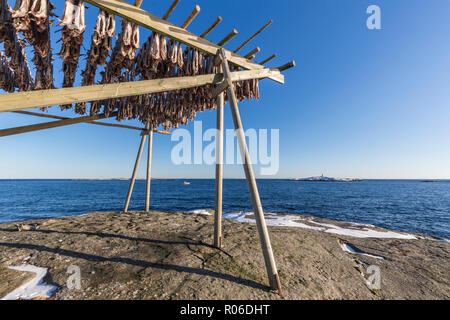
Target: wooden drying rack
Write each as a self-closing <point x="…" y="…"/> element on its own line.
<point x="20" y="101"/>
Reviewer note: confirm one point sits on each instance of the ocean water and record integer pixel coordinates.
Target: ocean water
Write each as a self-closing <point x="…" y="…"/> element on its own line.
<point x="405" y="205"/>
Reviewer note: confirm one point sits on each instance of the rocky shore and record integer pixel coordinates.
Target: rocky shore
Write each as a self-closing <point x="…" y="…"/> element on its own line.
<point x="162" y="255"/>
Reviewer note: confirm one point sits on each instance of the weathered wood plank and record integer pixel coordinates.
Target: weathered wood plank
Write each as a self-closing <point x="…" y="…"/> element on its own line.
<point x="114" y="125"/>
<point x="191" y="17"/>
<point x="150" y="21"/>
<point x="211" y="27"/>
<point x="170" y="10"/>
<point x="253" y="36"/>
<point x="45" y="98"/>
<point x="53" y="124"/>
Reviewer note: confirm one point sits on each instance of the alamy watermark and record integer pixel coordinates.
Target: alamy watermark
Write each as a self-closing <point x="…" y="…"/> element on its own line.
<point x="374" y="279"/>
<point x="202" y="146"/>
<point x="374" y="20"/>
<point x="74" y="280"/>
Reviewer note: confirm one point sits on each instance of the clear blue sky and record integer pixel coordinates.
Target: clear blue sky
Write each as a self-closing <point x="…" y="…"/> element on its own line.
<point x="360" y="103"/>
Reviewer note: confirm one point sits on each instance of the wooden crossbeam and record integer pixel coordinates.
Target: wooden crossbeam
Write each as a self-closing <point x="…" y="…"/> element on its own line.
<point x="253" y="53"/>
<point x="170" y="10"/>
<point x="253" y="36"/>
<point x="43" y="98"/>
<point x="114" y="125"/>
<point x="147" y="20"/>
<point x="191" y="17"/>
<point x="268" y="59"/>
<point x="211" y="27"/>
<point x="228" y="38"/>
<point x="286" y="66"/>
<point x="53" y="124"/>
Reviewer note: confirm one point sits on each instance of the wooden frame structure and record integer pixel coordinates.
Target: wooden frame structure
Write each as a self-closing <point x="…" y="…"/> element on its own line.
<point x="223" y="81"/>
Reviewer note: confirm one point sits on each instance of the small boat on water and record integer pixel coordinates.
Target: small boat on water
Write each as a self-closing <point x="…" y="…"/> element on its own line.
<point x="186" y="183"/>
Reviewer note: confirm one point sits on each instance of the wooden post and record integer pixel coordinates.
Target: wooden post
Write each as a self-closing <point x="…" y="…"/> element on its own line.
<point x="133" y="177"/>
<point x="149" y="171"/>
<point x="219" y="174"/>
<point x="272" y="272"/>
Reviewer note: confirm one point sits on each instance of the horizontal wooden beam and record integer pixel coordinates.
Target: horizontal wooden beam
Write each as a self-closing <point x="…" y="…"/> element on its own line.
<point x="114" y="125"/>
<point x="53" y="124"/>
<point x="147" y="20"/>
<point x="44" y="98"/>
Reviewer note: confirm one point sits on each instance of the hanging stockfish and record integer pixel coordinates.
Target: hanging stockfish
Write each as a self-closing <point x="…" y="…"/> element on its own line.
<point x="31" y="17"/>
<point x="101" y="45"/>
<point x="14" y="50"/>
<point x="122" y="57"/>
<point x="73" y="22"/>
<point x="6" y="74"/>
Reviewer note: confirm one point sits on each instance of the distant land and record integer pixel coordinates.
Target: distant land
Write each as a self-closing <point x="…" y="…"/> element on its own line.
<point x="322" y="178"/>
<point x="119" y="179"/>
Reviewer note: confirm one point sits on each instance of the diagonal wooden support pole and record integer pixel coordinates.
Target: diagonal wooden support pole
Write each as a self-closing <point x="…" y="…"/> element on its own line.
<point x="272" y="272"/>
<point x="149" y="171"/>
<point x="135" y="170"/>
<point x="53" y="124"/>
<point x="219" y="174"/>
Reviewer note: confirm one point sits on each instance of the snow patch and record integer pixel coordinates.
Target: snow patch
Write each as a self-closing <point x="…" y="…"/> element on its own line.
<point x="33" y="288"/>
<point x="273" y="219"/>
<point x="201" y="212"/>
<point x="347" y="248"/>
<point x="365" y="232"/>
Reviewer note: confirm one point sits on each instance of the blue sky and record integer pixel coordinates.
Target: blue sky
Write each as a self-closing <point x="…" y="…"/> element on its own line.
<point x="360" y="103"/>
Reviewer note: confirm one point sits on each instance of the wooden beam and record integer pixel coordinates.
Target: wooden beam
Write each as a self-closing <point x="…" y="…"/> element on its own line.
<point x="221" y="87"/>
<point x="53" y="124"/>
<point x="253" y="36"/>
<point x="43" y="98"/>
<point x="170" y="10"/>
<point x="269" y="259"/>
<point x="191" y="17"/>
<point x="268" y="59"/>
<point x="228" y="38"/>
<point x="44" y="115"/>
<point x="137" y="3"/>
<point x="147" y="20"/>
<point x="149" y="172"/>
<point x="133" y="176"/>
<point x="211" y="27"/>
<point x="253" y="53"/>
<point x="218" y="203"/>
<point x="286" y="66"/>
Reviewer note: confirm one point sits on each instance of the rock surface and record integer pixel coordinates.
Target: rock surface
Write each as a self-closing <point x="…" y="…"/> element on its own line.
<point x="167" y="256"/>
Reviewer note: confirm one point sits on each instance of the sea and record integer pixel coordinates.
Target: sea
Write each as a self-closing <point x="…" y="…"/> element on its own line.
<point x="403" y="205"/>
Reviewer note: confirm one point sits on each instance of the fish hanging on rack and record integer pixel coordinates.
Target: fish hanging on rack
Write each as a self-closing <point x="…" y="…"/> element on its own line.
<point x="31" y="17"/>
<point x="101" y="45"/>
<point x="14" y="49"/>
<point x="122" y="57"/>
<point x="6" y="74"/>
<point x="73" y="22"/>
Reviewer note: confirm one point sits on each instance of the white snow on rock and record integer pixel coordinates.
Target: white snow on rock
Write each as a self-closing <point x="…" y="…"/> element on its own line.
<point x="365" y="231"/>
<point x="33" y="288"/>
<point x="349" y="249"/>
<point x="201" y="212"/>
